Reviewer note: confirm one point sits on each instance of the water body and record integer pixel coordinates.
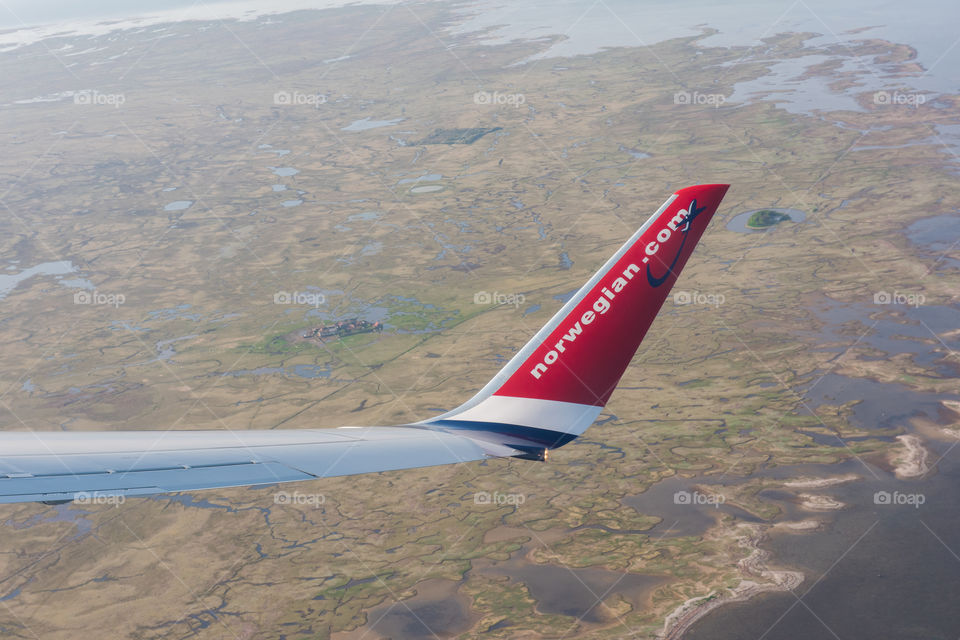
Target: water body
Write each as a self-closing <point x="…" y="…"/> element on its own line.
<point x="922" y="331"/>
<point x="371" y="249"/>
<point x="27" y="23"/>
<point x="427" y="188"/>
<point x="284" y="172"/>
<point x="59" y="513"/>
<point x="680" y="518"/>
<point x="880" y="405"/>
<point x="9" y="281"/>
<point x="437" y="611"/>
<point x="178" y="205"/>
<point x="739" y="222"/>
<point x="787" y="86"/>
<point x="181" y="311"/>
<point x="874" y="571"/>
<point x="937" y="234"/>
<point x="366" y="123"/>
<point x="581" y="27"/>
<point x="188" y="500"/>
<point x="78" y="283"/>
<point x="586" y="27"/>
<point x="575" y="592"/>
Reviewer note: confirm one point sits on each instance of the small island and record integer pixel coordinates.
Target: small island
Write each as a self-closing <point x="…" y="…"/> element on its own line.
<point x="766" y="218"/>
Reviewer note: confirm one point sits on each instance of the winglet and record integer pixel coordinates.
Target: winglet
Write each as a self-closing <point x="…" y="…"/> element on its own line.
<point x="555" y="387"/>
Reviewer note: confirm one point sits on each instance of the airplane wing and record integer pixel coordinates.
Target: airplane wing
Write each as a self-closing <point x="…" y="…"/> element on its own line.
<point x="63" y="466"/>
<point x="549" y="393"/>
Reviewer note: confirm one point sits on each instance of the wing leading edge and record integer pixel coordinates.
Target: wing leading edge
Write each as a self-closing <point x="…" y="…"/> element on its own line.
<point x="546" y="396"/>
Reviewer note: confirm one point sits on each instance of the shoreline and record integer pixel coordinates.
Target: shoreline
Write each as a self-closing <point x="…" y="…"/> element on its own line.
<point x="681" y="619"/>
<point x="913" y="461"/>
<point x="812" y="502"/>
<point x="818" y="483"/>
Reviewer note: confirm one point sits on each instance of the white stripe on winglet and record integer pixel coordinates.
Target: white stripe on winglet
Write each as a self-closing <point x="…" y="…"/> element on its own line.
<point x="566" y="417"/>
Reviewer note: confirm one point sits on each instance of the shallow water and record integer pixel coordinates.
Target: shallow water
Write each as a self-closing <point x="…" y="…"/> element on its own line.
<point x="874" y="571"/>
<point x="9" y="281"/>
<point x="178" y="205"/>
<point x="427" y="188"/>
<point x="938" y="233"/>
<point x="366" y="123"/>
<point x="880" y="405"/>
<point x="681" y="516"/>
<point x="572" y="591"/>
<point x="920" y="330"/>
<point x="786" y="85"/>
<point x="431" y="614"/>
<point x="588" y="28"/>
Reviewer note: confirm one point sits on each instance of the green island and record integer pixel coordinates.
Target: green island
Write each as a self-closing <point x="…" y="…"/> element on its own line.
<point x="765" y="218"/>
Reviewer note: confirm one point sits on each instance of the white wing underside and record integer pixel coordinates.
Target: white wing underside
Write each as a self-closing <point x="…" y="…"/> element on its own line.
<point x="55" y="466"/>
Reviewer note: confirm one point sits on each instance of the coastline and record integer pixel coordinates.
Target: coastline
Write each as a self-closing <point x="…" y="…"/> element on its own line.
<point x="681" y="619"/>
<point x="913" y="461"/>
<point x="818" y="483"/>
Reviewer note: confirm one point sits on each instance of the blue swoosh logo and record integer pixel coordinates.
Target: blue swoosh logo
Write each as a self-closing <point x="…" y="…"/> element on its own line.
<point x="692" y="212"/>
